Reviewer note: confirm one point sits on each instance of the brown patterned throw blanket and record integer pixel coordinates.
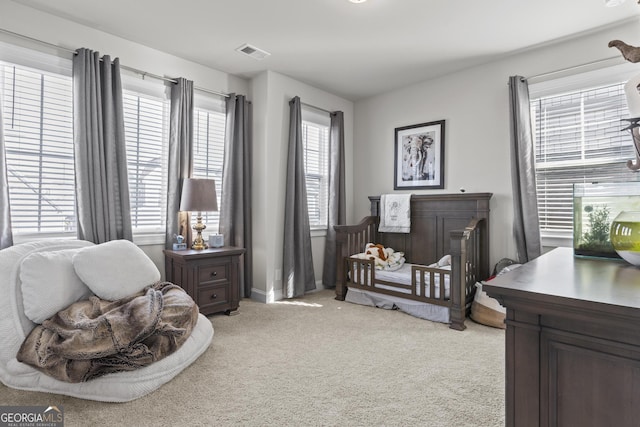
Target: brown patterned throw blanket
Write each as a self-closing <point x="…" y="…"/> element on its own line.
<point x="95" y="337"/>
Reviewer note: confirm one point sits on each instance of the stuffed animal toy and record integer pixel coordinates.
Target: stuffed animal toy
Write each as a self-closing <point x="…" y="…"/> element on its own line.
<point x="384" y="258"/>
<point x="375" y="250"/>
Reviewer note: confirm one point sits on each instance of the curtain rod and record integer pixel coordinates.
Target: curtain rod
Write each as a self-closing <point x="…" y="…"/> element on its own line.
<point x="562" y="70"/>
<point x="316" y="108"/>
<point x="133" y="70"/>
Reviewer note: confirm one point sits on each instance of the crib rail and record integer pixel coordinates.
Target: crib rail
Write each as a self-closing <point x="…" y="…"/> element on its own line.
<point x="421" y="276"/>
<point x="350" y="239"/>
<point x="362" y="275"/>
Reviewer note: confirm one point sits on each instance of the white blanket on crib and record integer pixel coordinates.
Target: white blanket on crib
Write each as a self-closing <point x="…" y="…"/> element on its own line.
<point x="395" y="213"/>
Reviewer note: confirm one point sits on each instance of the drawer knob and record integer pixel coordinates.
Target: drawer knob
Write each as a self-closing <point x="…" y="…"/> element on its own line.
<point x="214" y="296"/>
<point x="214" y="274"/>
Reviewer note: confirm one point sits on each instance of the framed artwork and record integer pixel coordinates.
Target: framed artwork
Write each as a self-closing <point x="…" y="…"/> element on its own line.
<point x="419" y="156"/>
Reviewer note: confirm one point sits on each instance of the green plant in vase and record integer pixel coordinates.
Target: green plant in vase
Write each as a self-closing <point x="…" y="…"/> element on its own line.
<point x="597" y="238"/>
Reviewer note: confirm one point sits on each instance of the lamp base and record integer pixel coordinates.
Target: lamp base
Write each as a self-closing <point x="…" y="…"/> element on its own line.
<point x="199" y="246"/>
<point x="198" y="242"/>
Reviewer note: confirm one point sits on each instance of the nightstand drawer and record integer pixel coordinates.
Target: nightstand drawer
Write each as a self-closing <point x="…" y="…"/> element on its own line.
<point x="213" y="273"/>
<point x="212" y="296"/>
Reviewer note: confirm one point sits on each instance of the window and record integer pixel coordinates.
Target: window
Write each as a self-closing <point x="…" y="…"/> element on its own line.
<point x="578" y="139"/>
<point x="37" y="108"/>
<point x="36" y="100"/>
<point x="208" y="149"/>
<point x="146" y="120"/>
<point x="38" y="129"/>
<point x="315" y="141"/>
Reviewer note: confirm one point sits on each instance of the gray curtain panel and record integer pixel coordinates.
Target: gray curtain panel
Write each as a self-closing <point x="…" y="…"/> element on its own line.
<point x="298" y="271"/>
<point x="102" y="185"/>
<point x="180" y="159"/>
<point x="526" y="226"/>
<point x="337" y="203"/>
<point x="6" y="235"/>
<point x="235" y="200"/>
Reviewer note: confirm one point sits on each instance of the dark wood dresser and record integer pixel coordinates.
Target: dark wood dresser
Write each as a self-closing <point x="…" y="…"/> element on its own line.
<point x="572" y="341"/>
<point x="209" y="276"/>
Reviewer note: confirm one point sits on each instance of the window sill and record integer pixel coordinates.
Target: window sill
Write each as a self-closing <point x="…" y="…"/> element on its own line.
<point x="140" y="239"/>
<point x="555" y="241"/>
<point x="144" y="239"/>
<point x="321" y="232"/>
<point x="33" y="237"/>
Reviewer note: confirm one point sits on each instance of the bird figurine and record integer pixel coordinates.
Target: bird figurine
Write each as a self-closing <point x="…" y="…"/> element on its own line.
<point x="630" y="53"/>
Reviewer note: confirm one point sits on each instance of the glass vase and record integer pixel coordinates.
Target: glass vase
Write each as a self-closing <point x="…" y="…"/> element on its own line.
<point x="625" y="236"/>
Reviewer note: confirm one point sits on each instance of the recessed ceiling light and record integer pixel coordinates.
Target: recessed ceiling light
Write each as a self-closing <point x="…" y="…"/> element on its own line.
<point x="357" y="1"/>
<point x="612" y="3"/>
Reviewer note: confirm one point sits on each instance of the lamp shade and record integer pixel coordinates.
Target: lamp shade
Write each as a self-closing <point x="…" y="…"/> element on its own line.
<point x="198" y="195"/>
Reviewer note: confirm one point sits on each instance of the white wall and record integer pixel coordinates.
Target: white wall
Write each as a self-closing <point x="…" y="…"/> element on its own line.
<point x="42" y="26"/>
<point x="475" y="105"/>
<point x="272" y="93"/>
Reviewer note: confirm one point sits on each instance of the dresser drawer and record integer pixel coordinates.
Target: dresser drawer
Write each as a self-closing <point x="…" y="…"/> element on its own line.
<point x="211" y="274"/>
<point x="210" y="298"/>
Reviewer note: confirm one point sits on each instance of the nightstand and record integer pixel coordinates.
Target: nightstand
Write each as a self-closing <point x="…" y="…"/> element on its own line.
<point x="210" y="276"/>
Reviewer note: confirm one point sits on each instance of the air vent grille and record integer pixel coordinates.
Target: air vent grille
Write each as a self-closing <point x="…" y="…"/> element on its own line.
<point x="252" y="51"/>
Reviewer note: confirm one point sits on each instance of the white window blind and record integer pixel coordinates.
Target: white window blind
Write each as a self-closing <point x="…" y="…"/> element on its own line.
<point x="38" y="130"/>
<point x="36" y="99"/>
<point x="315" y="139"/>
<point x="578" y="139"/>
<point x="208" y="149"/>
<point x="146" y="119"/>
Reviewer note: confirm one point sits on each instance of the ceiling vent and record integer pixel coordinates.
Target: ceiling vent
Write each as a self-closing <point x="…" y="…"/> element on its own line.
<point x="252" y="51"/>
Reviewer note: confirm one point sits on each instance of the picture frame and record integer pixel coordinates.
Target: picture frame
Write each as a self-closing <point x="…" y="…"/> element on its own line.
<point x="419" y="156"/>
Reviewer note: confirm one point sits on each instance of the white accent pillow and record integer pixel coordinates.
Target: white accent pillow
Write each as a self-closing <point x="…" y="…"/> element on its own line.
<point x="444" y="263"/>
<point x="50" y="283"/>
<point x="115" y="269"/>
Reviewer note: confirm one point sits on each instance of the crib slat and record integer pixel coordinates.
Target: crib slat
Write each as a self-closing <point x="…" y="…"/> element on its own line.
<point x="354" y="275"/>
<point x="432" y="286"/>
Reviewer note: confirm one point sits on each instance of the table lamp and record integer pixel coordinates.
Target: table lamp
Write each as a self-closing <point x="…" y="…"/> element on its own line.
<point x="198" y="195"/>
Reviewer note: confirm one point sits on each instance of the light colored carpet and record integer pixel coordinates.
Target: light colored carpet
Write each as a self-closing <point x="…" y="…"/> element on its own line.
<point x="315" y="361"/>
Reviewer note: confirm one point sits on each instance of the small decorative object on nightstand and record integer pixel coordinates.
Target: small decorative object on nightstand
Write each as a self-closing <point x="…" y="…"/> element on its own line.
<point x="179" y="245"/>
<point x="209" y="276"/>
<point x="216" y="240"/>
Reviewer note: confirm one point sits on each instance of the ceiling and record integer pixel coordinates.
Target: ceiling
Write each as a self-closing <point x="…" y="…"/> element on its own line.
<point x="351" y="50"/>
